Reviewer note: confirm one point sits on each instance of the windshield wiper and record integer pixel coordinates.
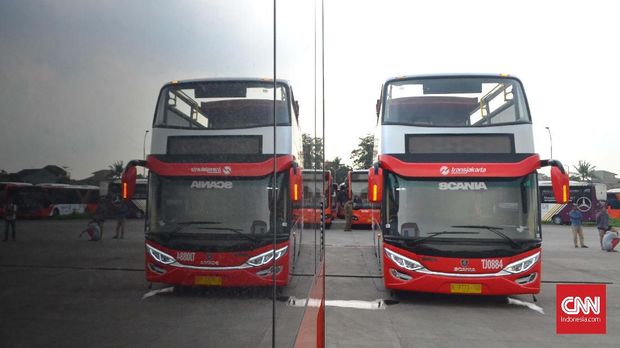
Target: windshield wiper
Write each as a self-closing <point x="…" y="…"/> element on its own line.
<point x="235" y="230"/>
<point x="495" y="230"/>
<point x="430" y="236"/>
<point x="199" y="222"/>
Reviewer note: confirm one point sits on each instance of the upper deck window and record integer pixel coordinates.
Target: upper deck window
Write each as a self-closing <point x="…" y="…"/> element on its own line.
<point x="222" y="105"/>
<point x="455" y="102"/>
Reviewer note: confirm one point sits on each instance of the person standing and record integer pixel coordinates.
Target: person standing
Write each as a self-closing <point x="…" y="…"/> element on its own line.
<point x="348" y="215"/>
<point x="121" y="216"/>
<point x="575" y="223"/>
<point x="602" y="222"/>
<point x="10" y="212"/>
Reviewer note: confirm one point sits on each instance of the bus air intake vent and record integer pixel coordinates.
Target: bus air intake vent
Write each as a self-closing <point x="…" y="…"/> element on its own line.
<point x="215" y="144"/>
<point x="459" y="143"/>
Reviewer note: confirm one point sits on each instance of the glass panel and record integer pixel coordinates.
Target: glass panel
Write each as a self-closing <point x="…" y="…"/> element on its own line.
<point x="455" y="102"/>
<point x="447" y="206"/>
<point x="222" y="105"/>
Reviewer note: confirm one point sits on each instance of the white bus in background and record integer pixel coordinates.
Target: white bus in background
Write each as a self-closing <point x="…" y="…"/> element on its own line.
<point x="589" y="198"/>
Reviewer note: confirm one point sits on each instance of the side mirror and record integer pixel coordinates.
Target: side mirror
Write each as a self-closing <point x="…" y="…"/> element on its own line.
<point x="128" y="182"/>
<point x="378" y="107"/>
<point x="295" y="184"/>
<point x="560" y="185"/>
<point x="375" y="184"/>
<point x="296" y="108"/>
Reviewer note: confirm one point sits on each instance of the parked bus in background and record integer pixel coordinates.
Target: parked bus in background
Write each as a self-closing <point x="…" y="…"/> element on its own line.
<point x="589" y="198"/>
<point x="215" y="204"/>
<point x="27" y="197"/>
<point x="136" y="205"/>
<point x="613" y="203"/>
<point x="64" y="199"/>
<point x="456" y="175"/>
<point x="314" y="194"/>
<point x="364" y="212"/>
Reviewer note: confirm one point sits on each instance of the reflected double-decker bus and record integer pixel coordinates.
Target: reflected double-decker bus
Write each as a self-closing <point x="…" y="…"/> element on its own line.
<point x="456" y="175"/>
<point x="365" y="213"/>
<point x="317" y="191"/>
<point x="223" y="177"/>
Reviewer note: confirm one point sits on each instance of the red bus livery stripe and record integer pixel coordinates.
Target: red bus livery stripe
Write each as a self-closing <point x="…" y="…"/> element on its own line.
<point x="441" y="170"/>
<point x="219" y="169"/>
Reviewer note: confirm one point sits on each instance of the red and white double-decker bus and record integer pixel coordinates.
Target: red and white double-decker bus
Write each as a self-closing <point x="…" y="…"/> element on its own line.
<point x="364" y="212"/>
<point x="317" y="190"/>
<point x="457" y="180"/>
<point x="222" y="183"/>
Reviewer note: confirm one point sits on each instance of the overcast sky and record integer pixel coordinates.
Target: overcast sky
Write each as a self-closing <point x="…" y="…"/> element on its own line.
<point x="79" y="79"/>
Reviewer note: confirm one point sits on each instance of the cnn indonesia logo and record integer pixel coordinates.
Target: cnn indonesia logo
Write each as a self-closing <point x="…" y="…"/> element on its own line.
<point x="580" y="309"/>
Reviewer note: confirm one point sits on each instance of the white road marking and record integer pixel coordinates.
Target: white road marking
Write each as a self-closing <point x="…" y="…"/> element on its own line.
<point x="159" y="291"/>
<point x="371" y="305"/>
<point x="529" y="305"/>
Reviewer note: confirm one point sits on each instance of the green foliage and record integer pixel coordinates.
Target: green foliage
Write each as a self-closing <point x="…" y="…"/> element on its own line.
<point x="313" y="152"/>
<point x="338" y="169"/>
<point x="117" y="169"/>
<point x="362" y="156"/>
<point x="585" y="171"/>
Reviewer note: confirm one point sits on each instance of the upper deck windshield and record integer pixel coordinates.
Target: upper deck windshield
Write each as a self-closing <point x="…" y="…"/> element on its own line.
<point x="222" y="105"/>
<point x="215" y="208"/>
<point x="455" y="102"/>
<point x="473" y="210"/>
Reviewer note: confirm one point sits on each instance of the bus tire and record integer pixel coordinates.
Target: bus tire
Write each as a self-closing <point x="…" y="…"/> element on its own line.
<point x="55" y="213"/>
<point x="328" y="226"/>
<point x="556" y="219"/>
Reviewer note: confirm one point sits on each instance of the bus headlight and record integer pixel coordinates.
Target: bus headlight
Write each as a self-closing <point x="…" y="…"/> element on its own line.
<point x="402" y="261"/>
<point x="523" y="265"/>
<point x="266" y="257"/>
<point x="160" y="255"/>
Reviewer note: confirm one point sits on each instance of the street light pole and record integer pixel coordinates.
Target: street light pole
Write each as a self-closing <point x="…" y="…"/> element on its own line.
<point x="550" y="141"/>
<point x="144" y="150"/>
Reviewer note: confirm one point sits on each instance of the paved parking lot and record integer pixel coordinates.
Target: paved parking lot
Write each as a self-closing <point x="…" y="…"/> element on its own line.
<point x="57" y="290"/>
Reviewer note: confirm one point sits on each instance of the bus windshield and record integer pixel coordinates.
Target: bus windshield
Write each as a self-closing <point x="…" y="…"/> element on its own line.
<point x="455" y="102"/>
<point x="222" y="105"/>
<point x="313" y="186"/>
<point x="468" y="210"/>
<point x="359" y="191"/>
<point x="217" y="207"/>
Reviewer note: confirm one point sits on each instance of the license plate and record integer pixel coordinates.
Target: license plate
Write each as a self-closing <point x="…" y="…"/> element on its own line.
<point x="208" y="281"/>
<point x="466" y="288"/>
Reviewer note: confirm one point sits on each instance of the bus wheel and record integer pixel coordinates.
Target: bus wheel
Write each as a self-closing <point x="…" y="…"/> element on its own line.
<point x="328" y="226"/>
<point x="557" y="219"/>
<point x="55" y="213"/>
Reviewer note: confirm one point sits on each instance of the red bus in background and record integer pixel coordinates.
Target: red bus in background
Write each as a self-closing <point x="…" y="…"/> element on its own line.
<point x="215" y="203"/>
<point x="456" y="175"/>
<point x="27" y="197"/>
<point x="314" y="194"/>
<point x="364" y="212"/>
<point x="613" y="203"/>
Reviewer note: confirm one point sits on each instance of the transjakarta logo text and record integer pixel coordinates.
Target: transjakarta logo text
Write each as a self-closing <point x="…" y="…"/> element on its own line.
<point x="462" y="186"/>
<point x="199" y="184"/>
<point x="445" y="170"/>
